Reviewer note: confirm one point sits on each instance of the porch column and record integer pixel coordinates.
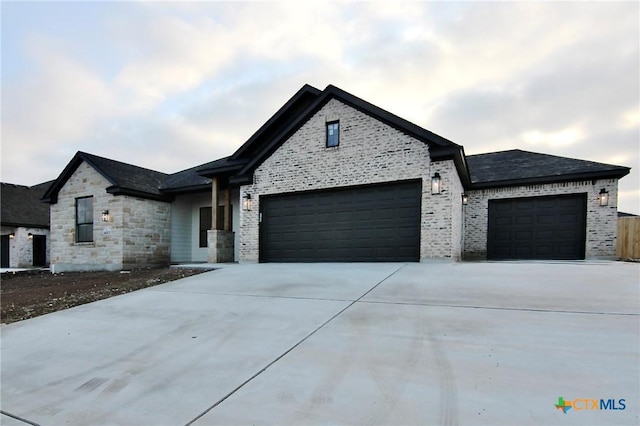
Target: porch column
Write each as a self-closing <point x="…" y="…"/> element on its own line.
<point x="220" y="241"/>
<point x="214" y="203"/>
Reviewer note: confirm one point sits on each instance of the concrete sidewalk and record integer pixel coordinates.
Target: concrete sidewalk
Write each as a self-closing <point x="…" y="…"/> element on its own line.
<point x="432" y="343"/>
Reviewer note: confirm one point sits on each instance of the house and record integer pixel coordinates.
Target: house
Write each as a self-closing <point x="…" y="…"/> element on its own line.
<point x="332" y="178"/>
<point x="24" y="224"/>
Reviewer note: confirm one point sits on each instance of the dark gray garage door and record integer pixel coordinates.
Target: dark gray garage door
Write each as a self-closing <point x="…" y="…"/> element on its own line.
<point x="373" y="223"/>
<point x="537" y="228"/>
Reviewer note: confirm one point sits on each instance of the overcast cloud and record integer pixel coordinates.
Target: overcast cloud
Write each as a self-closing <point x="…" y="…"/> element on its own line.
<point x="171" y="85"/>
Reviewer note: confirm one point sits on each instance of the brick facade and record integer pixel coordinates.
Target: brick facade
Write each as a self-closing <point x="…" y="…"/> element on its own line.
<point x="137" y="234"/>
<point x="601" y="220"/>
<point x="369" y="152"/>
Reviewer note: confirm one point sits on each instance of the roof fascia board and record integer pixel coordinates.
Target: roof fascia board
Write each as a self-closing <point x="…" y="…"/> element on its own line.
<point x="51" y="196"/>
<point x="117" y="190"/>
<point x="187" y="189"/>
<point x="574" y="177"/>
<point x="332" y="92"/>
<point x="241" y="179"/>
<point x="214" y="171"/>
<point x="388" y="118"/>
<point x="306" y="89"/>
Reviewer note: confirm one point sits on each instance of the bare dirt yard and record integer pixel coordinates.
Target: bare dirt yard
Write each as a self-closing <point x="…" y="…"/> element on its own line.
<point x="30" y="294"/>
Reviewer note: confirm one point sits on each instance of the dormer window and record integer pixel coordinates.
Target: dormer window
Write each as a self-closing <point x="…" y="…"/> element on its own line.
<point x="333" y="134"/>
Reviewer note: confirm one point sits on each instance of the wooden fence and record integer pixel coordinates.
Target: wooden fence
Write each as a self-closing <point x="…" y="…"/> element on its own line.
<point x="628" y="238"/>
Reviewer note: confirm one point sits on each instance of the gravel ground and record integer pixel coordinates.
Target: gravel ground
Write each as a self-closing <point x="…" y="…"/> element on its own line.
<point x="26" y="295"/>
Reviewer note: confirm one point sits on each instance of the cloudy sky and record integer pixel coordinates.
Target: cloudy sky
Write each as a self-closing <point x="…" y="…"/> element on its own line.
<point x="171" y="85"/>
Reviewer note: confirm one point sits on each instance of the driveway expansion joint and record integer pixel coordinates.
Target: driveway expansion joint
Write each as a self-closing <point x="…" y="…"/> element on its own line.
<point x="501" y="308"/>
<point x="321" y="326"/>
<point x="13" y="416"/>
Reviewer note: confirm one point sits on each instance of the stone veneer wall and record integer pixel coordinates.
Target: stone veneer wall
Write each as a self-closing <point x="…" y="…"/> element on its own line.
<point x="145" y="223"/>
<point x="601" y="221"/>
<point x="147" y="236"/>
<point x="369" y="152"/>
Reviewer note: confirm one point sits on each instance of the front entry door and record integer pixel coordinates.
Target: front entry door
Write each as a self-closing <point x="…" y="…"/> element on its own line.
<point x="4" y="252"/>
<point x="39" y="250"/>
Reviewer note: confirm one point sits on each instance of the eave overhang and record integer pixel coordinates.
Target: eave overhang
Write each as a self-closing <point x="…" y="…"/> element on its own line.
<point x="540" y="180"/>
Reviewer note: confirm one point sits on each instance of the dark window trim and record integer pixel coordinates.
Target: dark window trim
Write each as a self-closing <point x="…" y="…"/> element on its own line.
<point x="85" y="223"/>
<point x="337" y="137"/>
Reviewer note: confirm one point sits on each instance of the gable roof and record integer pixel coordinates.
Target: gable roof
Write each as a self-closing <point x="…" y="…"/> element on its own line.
<point x="517" y="167"/>
<point x="125" y="179"/>
<point x="307" y="102"/>
<point x="297" y="104"/>
<point x="21" y="205"/>
<point x="192" y="179"/>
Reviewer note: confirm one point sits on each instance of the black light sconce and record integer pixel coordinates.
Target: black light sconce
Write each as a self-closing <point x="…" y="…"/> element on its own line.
<point x="603" y="197"/>
<point x="247" y="202"/>
<point x="12" y="235"/>
<point x="436" y="183"/>
<point x="105" y="216"/>
<point x="465" y="199"/>
<point x="30" y="236"/>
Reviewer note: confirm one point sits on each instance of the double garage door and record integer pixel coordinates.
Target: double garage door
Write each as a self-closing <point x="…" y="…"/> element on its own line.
<point x="373" y="223"/>
<point x="537" y="228"/>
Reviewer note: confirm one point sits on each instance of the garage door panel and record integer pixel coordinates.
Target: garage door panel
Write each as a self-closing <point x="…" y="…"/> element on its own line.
<point x="370" y="223"/>
<point x="551" y="227"/>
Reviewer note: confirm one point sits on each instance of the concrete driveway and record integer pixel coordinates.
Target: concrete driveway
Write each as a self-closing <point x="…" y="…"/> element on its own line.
<point x="430" y="343"/>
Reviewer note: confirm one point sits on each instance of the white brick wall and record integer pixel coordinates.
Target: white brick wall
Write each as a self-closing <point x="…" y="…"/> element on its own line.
<point x="369" y="152"/>
<point x="21" y="247"/>
<point x="601" y="221"/>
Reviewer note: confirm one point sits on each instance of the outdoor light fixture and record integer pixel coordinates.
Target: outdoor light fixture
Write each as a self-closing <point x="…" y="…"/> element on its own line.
<point x="105" y="216"/>
<point x="436" y="183"/>
<point x="30" y="236"/>
<point x="12" y="235"/>
<point x="603" y="197"/>
<point x="247" y="202"/>
<point x="465" y="199"/>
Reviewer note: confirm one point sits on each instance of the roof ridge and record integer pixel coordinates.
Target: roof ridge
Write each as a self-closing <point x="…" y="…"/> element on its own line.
<point x="87" y="154"/>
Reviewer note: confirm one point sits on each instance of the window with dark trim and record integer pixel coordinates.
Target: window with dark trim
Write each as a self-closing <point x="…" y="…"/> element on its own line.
<point x="333" y="134"/>
<point x="84" y="220"/>
<point x="205" y="225"/>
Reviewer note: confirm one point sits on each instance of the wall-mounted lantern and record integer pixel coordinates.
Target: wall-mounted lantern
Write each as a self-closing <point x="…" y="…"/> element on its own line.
<point x="436" y="183"/>
<point x="603" y="197"/>
<point x="12" y="235"/>
<point x="465" y="199"/>
<point x="30" y="236"/>
<point x="106" y="216"/>
<point x="247" y="202"/>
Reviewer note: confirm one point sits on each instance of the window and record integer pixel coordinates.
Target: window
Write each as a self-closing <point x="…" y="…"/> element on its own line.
<point x="205" y="225"/>
<point x="333" y="134"/>
<point x="84" y="220"/>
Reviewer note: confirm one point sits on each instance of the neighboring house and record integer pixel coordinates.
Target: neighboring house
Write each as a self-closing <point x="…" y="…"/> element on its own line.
<point x="333" y="178"/>
<point x="24" y="226"/>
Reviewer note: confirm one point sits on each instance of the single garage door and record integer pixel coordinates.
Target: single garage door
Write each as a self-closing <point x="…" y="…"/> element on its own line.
<point x="537" y="228"/>
<point x="373" y="223"/>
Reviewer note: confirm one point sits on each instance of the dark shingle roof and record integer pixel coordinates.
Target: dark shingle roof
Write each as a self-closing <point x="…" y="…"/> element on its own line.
<point x="125" y="179"/>
<point x="127" y="176"/>
<point x="308" y="101"/>
<point x="517" y="167"/>
<point x="21" y="205"/>
<point x="192" y="179"/>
